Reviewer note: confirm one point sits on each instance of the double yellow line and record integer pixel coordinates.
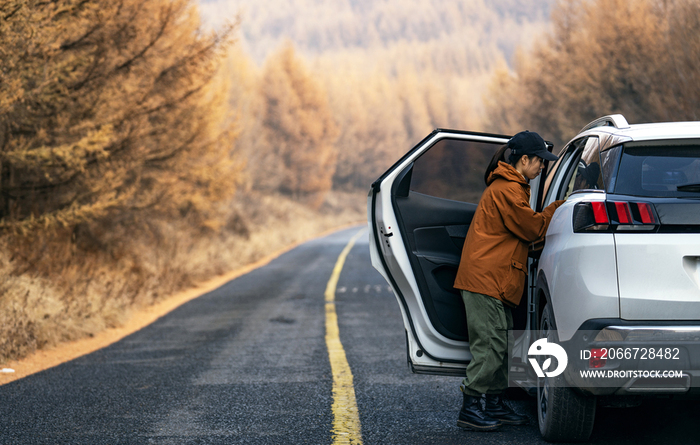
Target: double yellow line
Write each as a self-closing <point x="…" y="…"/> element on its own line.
<point x="346" y="418"/>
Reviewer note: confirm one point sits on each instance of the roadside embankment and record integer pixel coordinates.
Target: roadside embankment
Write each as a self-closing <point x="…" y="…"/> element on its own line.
<point x="80" y="297"/>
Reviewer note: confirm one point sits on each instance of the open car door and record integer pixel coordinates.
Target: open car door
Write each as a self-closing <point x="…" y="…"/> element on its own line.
<point x="419" y="213"/>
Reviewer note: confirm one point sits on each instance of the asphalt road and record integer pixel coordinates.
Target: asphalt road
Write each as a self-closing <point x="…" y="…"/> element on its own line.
<point x="248" y="364"/>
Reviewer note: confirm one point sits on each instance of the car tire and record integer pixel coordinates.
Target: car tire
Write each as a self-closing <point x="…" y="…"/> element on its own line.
<point x="564" y="415"/>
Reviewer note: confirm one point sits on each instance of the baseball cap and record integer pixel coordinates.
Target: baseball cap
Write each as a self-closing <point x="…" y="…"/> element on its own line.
<point x="531" y="144"/>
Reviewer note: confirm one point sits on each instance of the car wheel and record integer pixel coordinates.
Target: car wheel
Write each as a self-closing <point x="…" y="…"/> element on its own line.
<point x="564" y="415"/>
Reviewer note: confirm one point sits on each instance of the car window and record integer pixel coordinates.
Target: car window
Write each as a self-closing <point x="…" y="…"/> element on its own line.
<point x="559" y="177"/>
<point x="609" y="160"/>
<point x="551" y="174"/>
<point x="588" y="174"/>
<point x="453" y="169"/>
<point x="659" y="171"/>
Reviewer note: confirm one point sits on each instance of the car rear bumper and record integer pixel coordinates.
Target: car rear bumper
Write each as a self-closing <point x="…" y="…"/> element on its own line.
<point x="621" y="357"/>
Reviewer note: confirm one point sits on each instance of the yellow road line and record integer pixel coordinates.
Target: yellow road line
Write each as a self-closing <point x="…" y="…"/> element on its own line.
<point x="346" y="418"/>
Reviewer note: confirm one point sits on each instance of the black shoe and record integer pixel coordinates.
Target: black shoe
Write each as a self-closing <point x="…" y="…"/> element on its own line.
<point x="472" y="416"/>
<point x="497" y="409"/>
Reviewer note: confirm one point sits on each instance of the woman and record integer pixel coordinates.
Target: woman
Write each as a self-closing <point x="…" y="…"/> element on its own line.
<point x="492" y="272"/>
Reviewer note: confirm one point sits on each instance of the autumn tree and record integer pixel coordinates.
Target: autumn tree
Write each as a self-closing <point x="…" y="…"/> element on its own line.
<point x="682" y="70"/>
<point x="381" y="116"/>
<point x="298" y="130"/>
<point x="109" y="108"/>
<point x="639" y="58"/>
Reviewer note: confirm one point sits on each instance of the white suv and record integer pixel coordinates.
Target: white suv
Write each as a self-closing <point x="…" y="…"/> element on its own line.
<point x="616" y="281"/>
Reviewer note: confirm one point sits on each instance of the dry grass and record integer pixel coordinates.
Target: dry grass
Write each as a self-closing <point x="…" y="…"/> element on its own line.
<point x="53" y="291"/>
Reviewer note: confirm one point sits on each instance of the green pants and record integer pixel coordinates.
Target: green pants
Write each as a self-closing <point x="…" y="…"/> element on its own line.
<point x="488" y="322"/>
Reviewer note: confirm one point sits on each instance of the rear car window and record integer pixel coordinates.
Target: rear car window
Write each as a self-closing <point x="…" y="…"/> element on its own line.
<point x="659" y="171"/>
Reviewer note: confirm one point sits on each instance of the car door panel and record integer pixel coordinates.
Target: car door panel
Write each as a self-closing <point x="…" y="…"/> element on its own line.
<point x="441" y="245"/>
<point x="419" y="228"/>
<point x="427" y="223"/>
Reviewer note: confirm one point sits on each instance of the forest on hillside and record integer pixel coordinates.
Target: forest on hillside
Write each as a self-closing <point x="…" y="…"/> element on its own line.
<point x="391" y="70"/>
<point x="320" y="27"/>
<point x="638" y="58"/>
<point x="498" y="66"/>
<point x="142" y="151"/>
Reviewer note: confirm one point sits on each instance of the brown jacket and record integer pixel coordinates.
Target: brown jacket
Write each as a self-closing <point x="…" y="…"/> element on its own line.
<point x="494" y="258"/>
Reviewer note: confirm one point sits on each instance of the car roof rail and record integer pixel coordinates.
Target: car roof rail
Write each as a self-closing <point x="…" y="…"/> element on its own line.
<point x="612" y="120"/>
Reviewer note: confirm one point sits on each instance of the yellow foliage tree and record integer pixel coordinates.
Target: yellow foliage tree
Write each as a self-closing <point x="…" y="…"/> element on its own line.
<point x="108" y="108"/>
<point x="298" y="128"/>
<point x="636" y="57"/>
<point x="372" y="133"/>
<point x="381" y="116"/>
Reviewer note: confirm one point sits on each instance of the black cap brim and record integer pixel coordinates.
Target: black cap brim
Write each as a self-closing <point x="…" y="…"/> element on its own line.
<point x="547" y="156"/>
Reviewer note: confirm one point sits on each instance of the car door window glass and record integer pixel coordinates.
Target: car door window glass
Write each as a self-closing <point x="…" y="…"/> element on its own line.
<point x="453" y="169"/>
<point x="559" y="177"/>
<point x="588" y="174"/>
<point x="551" y="175"/>
<point x="609" y="160"/>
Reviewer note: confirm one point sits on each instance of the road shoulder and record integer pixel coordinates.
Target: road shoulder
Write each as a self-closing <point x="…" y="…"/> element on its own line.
<point x="49" y="358"/>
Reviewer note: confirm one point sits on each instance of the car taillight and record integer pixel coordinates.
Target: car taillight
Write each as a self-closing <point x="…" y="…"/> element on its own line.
<point x="623" y="212"/>
<point x="618" y="216"/>
<point x="600" y="216"/>
<point x="646" y="213"/>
